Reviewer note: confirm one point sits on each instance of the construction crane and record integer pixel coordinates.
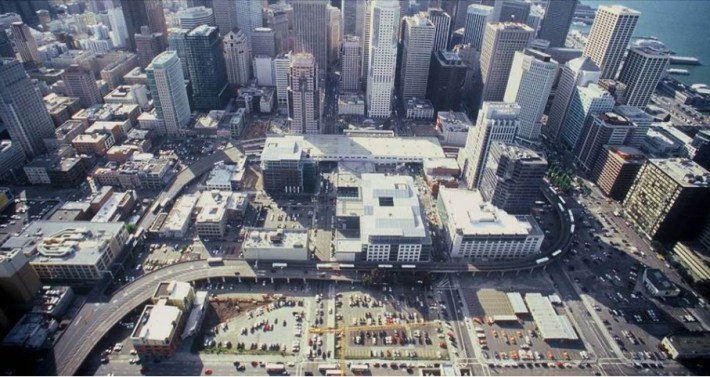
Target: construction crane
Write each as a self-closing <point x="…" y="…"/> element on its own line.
<point x="341" y="334"/>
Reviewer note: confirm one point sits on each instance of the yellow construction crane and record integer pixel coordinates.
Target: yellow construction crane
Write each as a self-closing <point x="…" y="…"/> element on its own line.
<point x="341" y="334"/>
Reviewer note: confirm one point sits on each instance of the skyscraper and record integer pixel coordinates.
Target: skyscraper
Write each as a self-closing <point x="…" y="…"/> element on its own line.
<point x="353" y="17"/>
<point x="191" y="17"/>
<point x="119" y="30"/>
<point x="249" y="16"/>
<point x="442" y="23"/>
<point x="417" y="44"/>
<point x="577" y="72"/>
<point x="277" y="20"/>
<point x="382" y="56"/>
<point x="138" y="13"/>
<point x="334" y="33"/>
<point x="477" y="16"/>
<point x="176" y="42"/>
<point x="80" y="82"/>
<point x="237" y="57"/>
<point x="500" y="43"/>
<point x="148" y="45"/>
<point x="305" y="95"/>
<point x="350" y="58"/>
<point x="207" y="72"/>
<point x="22" y="109"/>
<point x="167" y="87"/>
<point x="529" y="85"/>
<point x="27" y="10"/>
<point x="497" y="121"/>
<point x="6" y="50"/>
<point x="557" y="20"/>
<point x="447" y="75"/>
<point x="263" y="42"/>
<point x="366" y="41"/>
<point x="599" y="130"/>
<point x="310" y="29"/>
<point x="512" y="177"/>
<point x="282" y="70"/>
<point x="25" y="43"/>
<point x="611" y="32"/>
<point x="643" y="69"/>
<point x="586" y="100"/>
<point x="225" y="15"/>
<point x="512" y="11"/>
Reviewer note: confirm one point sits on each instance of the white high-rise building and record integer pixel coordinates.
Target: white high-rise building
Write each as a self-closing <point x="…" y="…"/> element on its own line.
<point x="166" y="82"/>
<point x="477" y="16"/>
<point x="643" y="69"/>
<point x="417" y="44"/>
<point x="365" y="40"/>
<point x="577" y="72"/>
<point x="191" y="17"/>
<point x="497" y="121"/>
<point x="500" y="42"/>
<point x="249" y="16"/>
<point x="282" y="70"/>
<point x="334" y="33"/>
<point x="610" y="35"/>
<point x="305" y="95"/>
<point x="310" y="29"/>
<point x="591" y="99"/>
<point x="237" y="57"/>
<point x="119" y="30"/>
<point x="382" y="57"/>
<point x="442" y="23"/>
<point x="350" y="58"/>
<point x="263" y="70"/>
<point x="529" y="85"/>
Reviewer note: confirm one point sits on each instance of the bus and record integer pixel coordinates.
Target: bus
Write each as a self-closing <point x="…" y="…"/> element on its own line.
<point x="275" y="368"/>
<point x="215" y="261"/>
<point x="326" y="367"/>
<point x="334" y="372"/>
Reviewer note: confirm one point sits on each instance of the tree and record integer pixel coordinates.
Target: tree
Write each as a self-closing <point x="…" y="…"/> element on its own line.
<point x="130" y="228"/>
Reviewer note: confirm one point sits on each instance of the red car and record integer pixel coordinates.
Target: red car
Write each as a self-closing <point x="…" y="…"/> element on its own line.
<point x="208" y="371"/>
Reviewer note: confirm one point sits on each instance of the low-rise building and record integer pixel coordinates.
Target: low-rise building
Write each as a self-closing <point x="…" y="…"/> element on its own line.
<point x="157" y="331"/>
<point x="50" y="169"/>
<point x="453" y="127"/>
<point x="694" y="261"/>
<point x="61" y="108"/>
<point x="109" y="112"/>
<point x="97" y="143"/>
<point x="351" y="104"/>
<point x="419" y="108"/>
<point x="687" y="346"/>
<point x="257" y="100"/>
<point x="225" y="177"/>
<point x="179" y="217"/>
<point x="31" y="333"/>
<point x="65" y="134"/>
<point x="129" y="94"/>
<point x="476" y="231"/>
<point x="73" y="252"/>
<point x="216" y="209"/>
<point x="53" y="300"/>
<point x="116" y="207"/>
<point x="237" y="123"/>
<point x="276" y="244"/>
<point x="151" y="174"/>
<point x="658" y="284"/>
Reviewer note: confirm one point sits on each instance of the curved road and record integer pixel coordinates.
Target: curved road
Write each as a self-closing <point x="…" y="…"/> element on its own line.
<point x="96" y="319"/>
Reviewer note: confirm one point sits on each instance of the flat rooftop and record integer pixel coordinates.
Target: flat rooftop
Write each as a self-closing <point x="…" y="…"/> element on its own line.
<point x="276" y="238"/>
<point x="341" y="147"/>
<point x="180" y="213"/>
<point x="156" y="323"/>
<point x="685" y="172"/>
<point x="390" y="207"/>
<point x="550" y="324"/>
<point x="453" y="121"/>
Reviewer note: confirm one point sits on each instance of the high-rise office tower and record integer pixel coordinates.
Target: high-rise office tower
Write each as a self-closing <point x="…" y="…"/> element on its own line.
<point x="27" y="10"/>
<point x="599" y="130"/>
<point x="80" y="82"/>
<point x="497" y="121"/>
<point x="417" y="43"/>
<point x="263" y="42"/>
<point x="616" y="169"/>
<point x="176" y="42"/>
<point x="25" y="43"/>
<point x="586" y="100"/>
<point x="334" y="33"/>
<point x="282" y="69"/>
<point x="225" y="15"/>
<point x="6" y="50"/>
<point x="611" y="32"/>
<point x="305" y="95"/>
<point x="310" y="29"/>
<point x="668" y="199"/>
<point x="249" y="16"/>
<point x="138" y="13"/>
<point x="512" y="11"/>
<point x="277" y="20"/>
<point x="458" y="9"/>
<point x="535" y="17"/>
<point x="577" y="72"/>
<point x="447" y="75"/>
<point x="512" y="177"/>
<point x="210" y="89"/>
<point x="643" y="69"/>
<point x="22" y="109"/>
<point x="199" y="3"/>
<point x="477" y="17"/>
<point x="119" y="30"/>
<point x="382" y="57"/>
<point x="366" y="41"/>
<point x="350" y="58"/>
<point x="353" y="17"/>
<point x="558" y="18"/>
<point x="529" y="85"/>
<point x="167" y="87"/>
<point x="500" y="43"/>
<point x="148" y="45"/>
<point x="442" y="23"/>
<point x="641" y="120"/>
<point x="237" y="57"/>
<point x="191" y="17"/>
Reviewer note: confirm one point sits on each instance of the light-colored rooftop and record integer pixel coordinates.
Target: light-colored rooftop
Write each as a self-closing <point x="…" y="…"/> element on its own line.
<point x="180" y="213"/>
<point x="390" y="207"/>
<point x="685" y="172"/>
<point x="551" y="325"/>
<point x="276" y="238"/>
<point x="157" y="323"/>
<point x="173" y="290"/>
<point x="453" y="121"/>
<point x="619" y="10"/>
<point x="469" y="213"/>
